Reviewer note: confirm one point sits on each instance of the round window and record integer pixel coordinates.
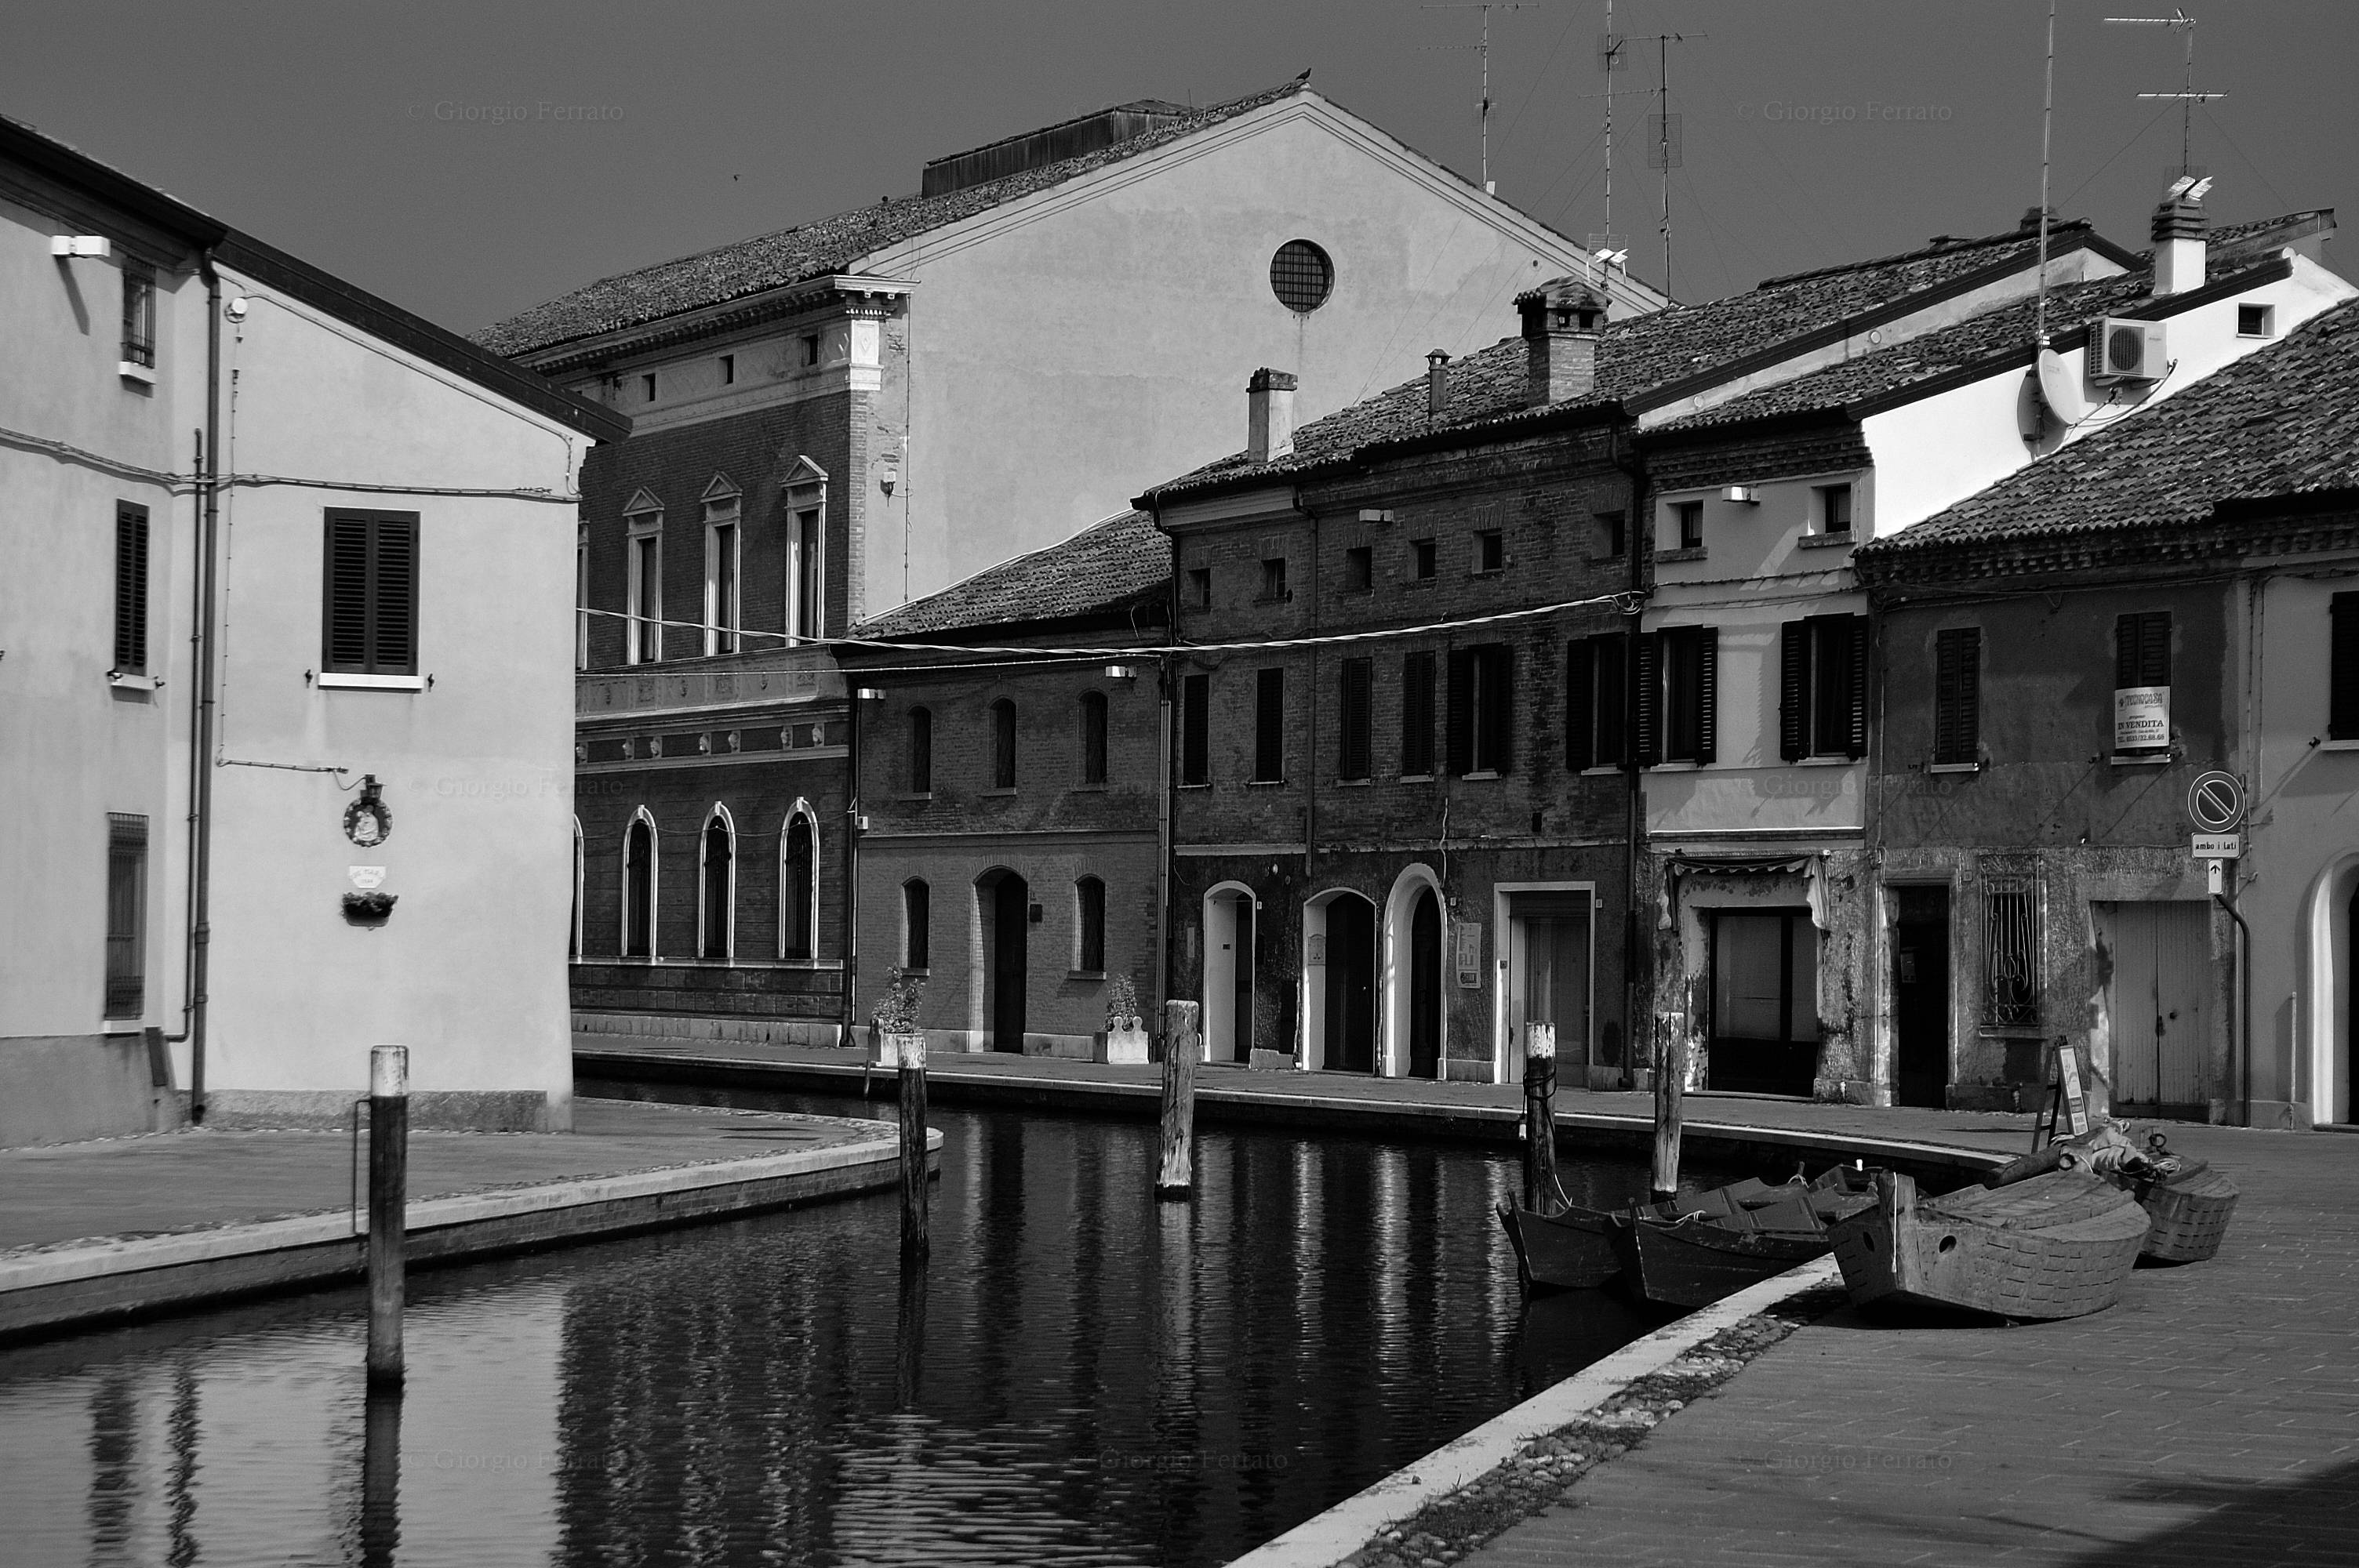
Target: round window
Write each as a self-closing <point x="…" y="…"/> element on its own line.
<point x="1301" y="277"/>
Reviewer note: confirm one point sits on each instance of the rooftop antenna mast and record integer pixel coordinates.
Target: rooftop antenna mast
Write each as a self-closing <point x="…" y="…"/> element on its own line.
<point x="2187" y="96"/>
<point x="2047" y="124"/>
<point x="1484" y="49"/>
<point x="1667" y="153"/>
<point x="1612" y="56"/>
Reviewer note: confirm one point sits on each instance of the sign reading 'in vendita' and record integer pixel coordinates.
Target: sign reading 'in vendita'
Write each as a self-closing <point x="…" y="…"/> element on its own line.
<point x="2141" y="717"/>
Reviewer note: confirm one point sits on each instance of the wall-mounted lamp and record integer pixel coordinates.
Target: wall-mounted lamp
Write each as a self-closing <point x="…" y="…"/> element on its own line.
<point x="1743" y="494"/>
<point x="867" y="694"/>
<point x="886" y="481"/>
<point x="1120" y="672"/>
<point x="1374" y="514"/>
<point x="235" y="309"/>
<point x="96" y="245"/>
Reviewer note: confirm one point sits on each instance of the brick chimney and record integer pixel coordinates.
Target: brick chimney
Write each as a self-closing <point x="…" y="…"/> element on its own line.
<point x="1561" y="321"/>
<point x="1269" y="416"/>
<point x="2179" y="239"/>
<point x="1437" y="385"/>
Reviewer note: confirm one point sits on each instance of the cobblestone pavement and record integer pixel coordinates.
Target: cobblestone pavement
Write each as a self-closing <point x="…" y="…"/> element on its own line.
<point x="179" y="1181"/>
<point x="2211" y="1417"/>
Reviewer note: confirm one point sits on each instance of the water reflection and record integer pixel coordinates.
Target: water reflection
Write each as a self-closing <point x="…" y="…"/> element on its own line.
<point x="1081" y="1375"/>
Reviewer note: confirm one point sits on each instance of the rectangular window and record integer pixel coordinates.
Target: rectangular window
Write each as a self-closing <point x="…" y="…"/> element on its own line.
<point x="1195" y="729"/>
<point x="1003" y="745"/>
<point x="1822" y="687"/>
<point x="1354" y="759"/>
<point x="131" y="589"/>
<point x="1094" y="738"/>
<point x="1416" y="715"/>
<point x="1269" y="726"/>
<point x="1489" y="551"/>
<point x="127" y="915"/>
<point x="645" y="589"/>
<point x="1679" y="695"/>
<point x="2010" y="950"/>
<point x="1596" y="701"/>
<point x="921" y="751"/>
<point x="647" y="387"/>
<point x="138" y="314"/>
<point x="1612" y="532"/>
<point x="1480" y="703"/>
<point x="1359" y="570"/>
<point x="370" y="620"/>
<point x="2342" y="670"/>
<point x="1089" y="898"/>
<point x="1273" y="579"/>
<point x="803" y="572"/>
<point x="1200" y="588"/>
<point x="810" y="349"/>
<point x="2256" y="321"/>
<point x="2142" y="681"/>
<point x="917" y="925"/>
<point x="1957" y="695"/>
<point x="1688" y="516"/>
<point x="1421" y="558"/>
<point x="721" y="562"/>
<point x="728" y="369"/>
<point x="1834" y="508"/>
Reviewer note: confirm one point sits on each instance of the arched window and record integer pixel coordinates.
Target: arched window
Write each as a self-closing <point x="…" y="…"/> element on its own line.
<point x="916" y="924"/>
<point x="639" y="887"/>
<point x="1094" y="738"/>
<point x="717" y="871"/>
<point x="798" y="889"/>
<point x="1003" y="745"/>
<point x="573" y="927"/>
<point x="921" y="750"/>
<point x="1089" y="901"/>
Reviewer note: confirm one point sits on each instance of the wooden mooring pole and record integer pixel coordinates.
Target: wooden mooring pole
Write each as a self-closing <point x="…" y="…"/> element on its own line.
<point x="389" y="1210"/>
<point x="1540" y="1117"/>
<point x="1670" y="1094"/>
<point x="1181" y="1044"/>
<point x="914" y="1193"/>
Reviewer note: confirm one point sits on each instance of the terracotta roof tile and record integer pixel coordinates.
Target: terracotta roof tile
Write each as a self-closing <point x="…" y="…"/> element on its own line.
<point x="2282" y="421"/>
<point x="1101" y="567"/>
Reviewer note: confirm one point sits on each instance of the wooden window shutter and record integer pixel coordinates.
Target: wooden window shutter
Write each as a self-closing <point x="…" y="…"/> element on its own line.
<point x="1499" y="707"/>
<point x="1650" y="698"/>
<point x="1793" y="690"/>
<point x="394" y="598"/>
<point x="1417" y="715"/>
<point x="1462" y="711"/>
<point x="1269" y="726"/>
<point x="131" y="590"/>
<point x="2342" y="670"/>
<point x="347" y="638"/>
<point x="1580" y="704"/>
<point x="1707" y="656"/>
<point x="2142" y="649"/>
<point x="1957" y="677"/>
<point x="1855" y="721"/>
<point x="1611" y="654"/>
<point x="1358" y="683"/>
<point x="1195" y="729"/>
<point x="369" y="618"/>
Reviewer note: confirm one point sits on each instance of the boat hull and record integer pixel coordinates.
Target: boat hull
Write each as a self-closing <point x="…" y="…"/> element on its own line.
<point x="2058" y="1246"/>
<point x="1695" y="1262"/>
<point x="1569" y="1252"/>
<point x="2187" y="1216"/>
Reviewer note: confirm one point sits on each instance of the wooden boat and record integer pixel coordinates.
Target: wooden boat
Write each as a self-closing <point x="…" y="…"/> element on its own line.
<point x="2187" y="1206"/>
<point x="2055" y="1246"/>
<point x="1696" y="1259"/>
<point x="1578" y="1248"/>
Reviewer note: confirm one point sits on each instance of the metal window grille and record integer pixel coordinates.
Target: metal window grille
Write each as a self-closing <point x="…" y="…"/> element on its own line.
<point x="1302" y="276"/>
<point x="139" y="313"/>
<point x="2010" y="950"/>
<point x="127" y="915"/>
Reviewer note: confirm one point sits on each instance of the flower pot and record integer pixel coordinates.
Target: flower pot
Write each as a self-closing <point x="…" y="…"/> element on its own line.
<point x="892" y="1049"/>
<point x="372" y="908"/>
<point x="1122" y="1047"/>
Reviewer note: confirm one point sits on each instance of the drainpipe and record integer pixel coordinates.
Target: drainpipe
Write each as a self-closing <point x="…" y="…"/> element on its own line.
<point x="1633" y="803"/>
<point x="854" y="691"/>
<point x="200" y="771"/>
<point x="2243" y="1000"/>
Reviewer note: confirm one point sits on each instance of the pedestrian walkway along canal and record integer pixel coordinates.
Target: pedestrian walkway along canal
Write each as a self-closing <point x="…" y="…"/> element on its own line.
<point x="1087" y="1375"/>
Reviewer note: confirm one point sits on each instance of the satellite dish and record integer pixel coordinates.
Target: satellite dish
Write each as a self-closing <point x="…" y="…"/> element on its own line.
<point x="2061" y="389"/>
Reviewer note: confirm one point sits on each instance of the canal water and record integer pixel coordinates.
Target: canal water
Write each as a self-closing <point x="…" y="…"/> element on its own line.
<point x="1085" y="1375"/>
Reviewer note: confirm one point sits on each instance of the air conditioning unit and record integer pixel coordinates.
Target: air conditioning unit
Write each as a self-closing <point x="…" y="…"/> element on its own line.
<point x="2125" y="351"/>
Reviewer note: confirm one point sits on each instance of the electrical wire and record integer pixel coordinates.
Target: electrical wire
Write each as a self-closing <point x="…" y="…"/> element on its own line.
<point x="188" y="483"/>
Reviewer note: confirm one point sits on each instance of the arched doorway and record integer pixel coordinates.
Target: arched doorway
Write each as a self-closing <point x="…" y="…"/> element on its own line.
<point x="1339" y="932"/>
<point x="639" y="890"/>
<point x="1425" y="986"/>
<point x="1228" y="996"/>
<point x="1004" y="901"/>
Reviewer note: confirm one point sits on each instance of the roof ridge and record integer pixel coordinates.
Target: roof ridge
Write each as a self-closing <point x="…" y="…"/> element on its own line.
<point x="1944" y="245"/>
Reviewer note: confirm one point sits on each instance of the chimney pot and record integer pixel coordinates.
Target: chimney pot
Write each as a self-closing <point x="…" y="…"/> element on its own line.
<point x="1437" y="385"/>
<point x="2178" y="244"/>
<point x="1561" y="319"/>
<point x="1269" y="416"/>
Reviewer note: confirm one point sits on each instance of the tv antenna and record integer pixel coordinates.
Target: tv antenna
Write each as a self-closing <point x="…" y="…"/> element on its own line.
<point x="1665" y="150"/>
<point x="1612" y="55"/>
<point x="1483" y="49"/>
<point x="2187" y="96"/>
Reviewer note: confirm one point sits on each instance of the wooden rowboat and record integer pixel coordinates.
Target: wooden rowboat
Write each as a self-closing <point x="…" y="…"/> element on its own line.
<point x="2187" y="1212"/>
<point x="1577" y="1249"/>
<point x="2057" y="1245"/>
<point x="1695" y="1261"/>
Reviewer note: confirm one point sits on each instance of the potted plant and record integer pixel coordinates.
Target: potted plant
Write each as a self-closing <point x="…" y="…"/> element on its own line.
<point x="370" y="908"/>
<point x="895" y="1036"/>
<point x="1125" y="1038"/>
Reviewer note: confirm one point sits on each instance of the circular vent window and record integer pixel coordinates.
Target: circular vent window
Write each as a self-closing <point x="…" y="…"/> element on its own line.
<point x="1301" y="277"/>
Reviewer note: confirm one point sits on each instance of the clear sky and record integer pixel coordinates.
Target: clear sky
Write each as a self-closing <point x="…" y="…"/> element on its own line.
<point x="408" y="147"/>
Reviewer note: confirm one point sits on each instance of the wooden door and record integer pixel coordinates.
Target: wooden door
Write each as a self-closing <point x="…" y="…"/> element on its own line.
<point x="1351" y="985"/>
<point x="1425" y="988"/>
<point x="1010" y="958"/>
<point x="2158" y="998"/>
<point x="1920" y="997"/>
